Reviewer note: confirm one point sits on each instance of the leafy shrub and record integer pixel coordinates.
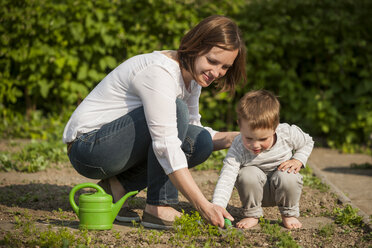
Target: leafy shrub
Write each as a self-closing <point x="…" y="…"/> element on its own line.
<point x="56" y="52"/>
<point x="316" y="56"/>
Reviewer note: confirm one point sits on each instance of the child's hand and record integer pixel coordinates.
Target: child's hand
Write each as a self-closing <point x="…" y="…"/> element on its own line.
<point x="292" y="165"/>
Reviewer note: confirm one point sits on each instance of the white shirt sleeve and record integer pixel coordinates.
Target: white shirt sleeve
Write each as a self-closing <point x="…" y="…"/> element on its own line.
<point x="302" y="144"/>
<point x="193" y="103"/>
<point x="158" y="92"/>
<point x="228" y="175"/>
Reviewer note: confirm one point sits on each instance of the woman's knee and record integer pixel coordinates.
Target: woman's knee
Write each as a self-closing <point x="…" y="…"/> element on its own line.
<point x="204" y="141"/>
<point x="198" y="145"/>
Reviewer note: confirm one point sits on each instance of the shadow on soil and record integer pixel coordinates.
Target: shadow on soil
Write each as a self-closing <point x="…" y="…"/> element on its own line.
<point x="61" y="223"/>
<point x="36" y="196"/>
<point x="47" y="197"/>
<point x="350" y="170"/>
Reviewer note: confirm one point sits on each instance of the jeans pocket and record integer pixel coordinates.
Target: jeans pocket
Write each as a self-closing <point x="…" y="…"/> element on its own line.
<point x="87" y="170"/>
<point x="88" y="137"/>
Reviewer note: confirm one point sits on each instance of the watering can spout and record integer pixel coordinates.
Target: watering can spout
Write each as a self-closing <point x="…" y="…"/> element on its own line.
<point x="117" y="206"/>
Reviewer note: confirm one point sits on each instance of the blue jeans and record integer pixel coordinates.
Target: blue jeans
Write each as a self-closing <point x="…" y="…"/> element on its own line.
<point x="123" y="148"/>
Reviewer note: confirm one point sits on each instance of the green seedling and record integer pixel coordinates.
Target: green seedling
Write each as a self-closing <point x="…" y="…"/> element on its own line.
<point x="327" y="230"/>
<point x="284" y="239"/>
<point x="313" y="181"/>
<point x="347" y="216"/>
<point x="191" y="228"/>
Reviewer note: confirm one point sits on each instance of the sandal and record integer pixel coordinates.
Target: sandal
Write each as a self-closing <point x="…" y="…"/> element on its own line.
<point x="125" y="214"/>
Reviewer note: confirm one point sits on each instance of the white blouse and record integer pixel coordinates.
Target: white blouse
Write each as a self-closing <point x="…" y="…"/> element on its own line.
<point x="153" y="81"/>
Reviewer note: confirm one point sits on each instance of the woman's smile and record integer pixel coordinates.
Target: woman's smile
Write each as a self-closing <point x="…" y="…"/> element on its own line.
<point x="213" y="65"/>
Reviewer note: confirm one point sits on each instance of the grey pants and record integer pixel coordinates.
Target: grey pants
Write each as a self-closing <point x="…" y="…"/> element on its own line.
<point x="257" y="189"/>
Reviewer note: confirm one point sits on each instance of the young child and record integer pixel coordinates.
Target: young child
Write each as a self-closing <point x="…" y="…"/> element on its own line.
<point x="263" y="162"/>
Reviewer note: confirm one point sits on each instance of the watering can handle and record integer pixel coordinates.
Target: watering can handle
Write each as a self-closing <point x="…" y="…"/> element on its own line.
<point x="80" y="186"/>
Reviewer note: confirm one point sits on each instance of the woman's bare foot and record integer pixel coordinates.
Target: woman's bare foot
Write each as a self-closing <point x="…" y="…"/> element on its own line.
<point x="163" y="212"/>
<point x="291" y="222"/>
<point x="247" y="223"/>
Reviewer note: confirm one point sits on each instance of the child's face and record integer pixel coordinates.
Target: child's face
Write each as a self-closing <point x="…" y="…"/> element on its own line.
<point x="256" y="140"/>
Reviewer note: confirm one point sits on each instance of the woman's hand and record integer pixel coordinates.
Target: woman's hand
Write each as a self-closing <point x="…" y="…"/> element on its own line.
<point x="215" y="214"/>
<point x="184" y="182"/>
<point x="223" y="140"/>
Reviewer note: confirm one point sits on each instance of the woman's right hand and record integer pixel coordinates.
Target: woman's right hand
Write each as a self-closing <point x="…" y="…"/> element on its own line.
<point x="215" y="214"/>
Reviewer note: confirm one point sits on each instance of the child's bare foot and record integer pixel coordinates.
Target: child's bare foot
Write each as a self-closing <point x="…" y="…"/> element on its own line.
<point x="291" y="222"/>
<point x="247" y="223"/>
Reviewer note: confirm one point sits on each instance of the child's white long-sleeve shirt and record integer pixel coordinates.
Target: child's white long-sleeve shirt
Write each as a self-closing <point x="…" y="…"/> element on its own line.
<point x="291" y="142"/>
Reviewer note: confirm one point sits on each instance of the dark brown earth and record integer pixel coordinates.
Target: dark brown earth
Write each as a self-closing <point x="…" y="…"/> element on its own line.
<point x="42" y="199"/>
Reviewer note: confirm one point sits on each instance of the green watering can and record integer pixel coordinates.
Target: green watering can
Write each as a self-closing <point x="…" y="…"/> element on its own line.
<point x="96" y="211"/>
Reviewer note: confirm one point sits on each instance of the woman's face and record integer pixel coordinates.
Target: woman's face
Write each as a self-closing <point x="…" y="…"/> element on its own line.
<point x="213" y="65"/>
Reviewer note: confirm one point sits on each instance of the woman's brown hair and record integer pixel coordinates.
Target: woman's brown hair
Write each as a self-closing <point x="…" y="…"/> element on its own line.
<point x="214" y="31"/>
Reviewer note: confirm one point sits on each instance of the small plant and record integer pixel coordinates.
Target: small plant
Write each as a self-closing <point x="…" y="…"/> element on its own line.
<point x="347" y="216"/>
<point x="154" y="236"/>
<point x="327" y="230"/>
<point x="313" y="181"/>
<point x="190" y="228"/>
<point x="281" y="238"/>
<point x="32" y="236"/>
<point x="6" y="164"/>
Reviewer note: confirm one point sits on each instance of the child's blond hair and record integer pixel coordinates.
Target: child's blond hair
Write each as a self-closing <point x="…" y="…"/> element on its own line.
<point x="260" y="108"/>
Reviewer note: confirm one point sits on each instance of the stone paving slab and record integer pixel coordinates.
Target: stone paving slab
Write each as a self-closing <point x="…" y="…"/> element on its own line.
<point x="346" y="177"/>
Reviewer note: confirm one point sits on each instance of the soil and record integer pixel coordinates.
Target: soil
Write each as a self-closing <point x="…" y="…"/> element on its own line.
<point x="42" y="199"/>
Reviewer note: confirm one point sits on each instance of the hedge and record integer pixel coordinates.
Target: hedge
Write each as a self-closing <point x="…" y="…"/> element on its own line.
<point x="314" y="54"/>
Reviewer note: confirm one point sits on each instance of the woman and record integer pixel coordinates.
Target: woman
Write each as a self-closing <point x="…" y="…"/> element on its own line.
<point x="140" y="126"/>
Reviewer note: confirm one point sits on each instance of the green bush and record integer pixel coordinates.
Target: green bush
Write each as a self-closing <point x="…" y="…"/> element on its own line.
<point x="57" y="51"/>
<point x="316" y="56"/>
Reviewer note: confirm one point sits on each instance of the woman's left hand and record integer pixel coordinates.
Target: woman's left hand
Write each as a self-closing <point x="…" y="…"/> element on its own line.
<point x="223" y="140"/>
